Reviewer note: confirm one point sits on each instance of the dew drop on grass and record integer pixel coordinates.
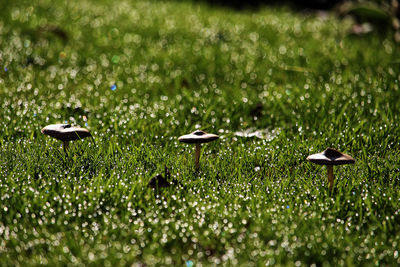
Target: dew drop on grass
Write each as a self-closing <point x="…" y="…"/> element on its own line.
<point x="63" y="55"/>
<point x="113" y="87"/>
<point x="259" y="133"/>
<point x="115" y="59"/>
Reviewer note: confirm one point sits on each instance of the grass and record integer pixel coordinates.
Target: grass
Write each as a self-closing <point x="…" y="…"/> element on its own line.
<point x="139" y="74"/>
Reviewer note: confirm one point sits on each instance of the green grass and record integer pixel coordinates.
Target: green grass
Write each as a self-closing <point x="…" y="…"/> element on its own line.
<point x="180" y="66"/>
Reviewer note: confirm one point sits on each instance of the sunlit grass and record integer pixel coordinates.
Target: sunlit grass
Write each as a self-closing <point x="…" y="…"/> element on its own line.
<point x="139" y="74"/>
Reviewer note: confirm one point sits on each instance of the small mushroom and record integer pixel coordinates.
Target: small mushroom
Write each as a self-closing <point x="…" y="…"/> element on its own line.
<point x="198" y="137"/>
<point x="158" y="182"/>
<point x="330" y="157"/>
<point x="65" y="133"/>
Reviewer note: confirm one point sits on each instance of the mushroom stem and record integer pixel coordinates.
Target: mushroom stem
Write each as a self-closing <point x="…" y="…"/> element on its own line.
<point x="331" y="176"/>
<point x="65" y="145"/>
<point x="197" y="156"/>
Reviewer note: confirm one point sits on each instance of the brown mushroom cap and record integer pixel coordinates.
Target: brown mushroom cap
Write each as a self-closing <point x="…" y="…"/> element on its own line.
<point x="198" y="137"/>
<point x="65" y="132"/>
<point x="330" y="156"/>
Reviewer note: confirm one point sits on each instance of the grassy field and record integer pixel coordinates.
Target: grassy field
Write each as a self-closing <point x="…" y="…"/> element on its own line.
<point x="138" y="74"/>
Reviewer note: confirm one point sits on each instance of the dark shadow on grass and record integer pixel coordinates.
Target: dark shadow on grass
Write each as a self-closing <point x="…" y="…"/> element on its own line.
<point x="255" y="4"/>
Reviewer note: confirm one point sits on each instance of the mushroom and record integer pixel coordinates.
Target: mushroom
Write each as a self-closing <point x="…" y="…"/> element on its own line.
<point x="330" y="157"/>
<point x="198" y="137"/>
<point x="65" y="133"/>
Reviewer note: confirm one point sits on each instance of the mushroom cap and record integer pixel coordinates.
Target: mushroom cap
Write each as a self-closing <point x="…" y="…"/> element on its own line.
<point x="330" y="156"/>
<point x="198" y="137"/>
<point x="65" y="132"/>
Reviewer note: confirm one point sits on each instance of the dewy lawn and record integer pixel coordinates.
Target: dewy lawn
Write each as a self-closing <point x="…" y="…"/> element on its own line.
<point x="274" y="84"/>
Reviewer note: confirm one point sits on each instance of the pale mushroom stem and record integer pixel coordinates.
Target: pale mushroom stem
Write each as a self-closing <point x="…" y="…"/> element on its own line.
<point x="65" y="145"/>
<point x="331" y="176"/>
<point x="197" y="156"/>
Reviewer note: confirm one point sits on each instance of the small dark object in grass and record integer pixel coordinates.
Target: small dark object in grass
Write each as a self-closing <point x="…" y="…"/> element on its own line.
<point x="330" y="157"/>
<point x="159" y="181"/>
<point x="29" y="61"/>
<point x="56" y="30"/>
<point x="185" y="83"/>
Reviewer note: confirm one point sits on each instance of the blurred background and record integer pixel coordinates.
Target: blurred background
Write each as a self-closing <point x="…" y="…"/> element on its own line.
<point x="368" y="14"/>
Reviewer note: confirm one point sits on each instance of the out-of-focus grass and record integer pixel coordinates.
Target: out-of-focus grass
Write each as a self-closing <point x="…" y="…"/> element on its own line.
<point x="139" y="74"/>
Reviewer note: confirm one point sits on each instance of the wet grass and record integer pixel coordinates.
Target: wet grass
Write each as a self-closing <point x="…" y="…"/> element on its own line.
<point x="139" y="74"/>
